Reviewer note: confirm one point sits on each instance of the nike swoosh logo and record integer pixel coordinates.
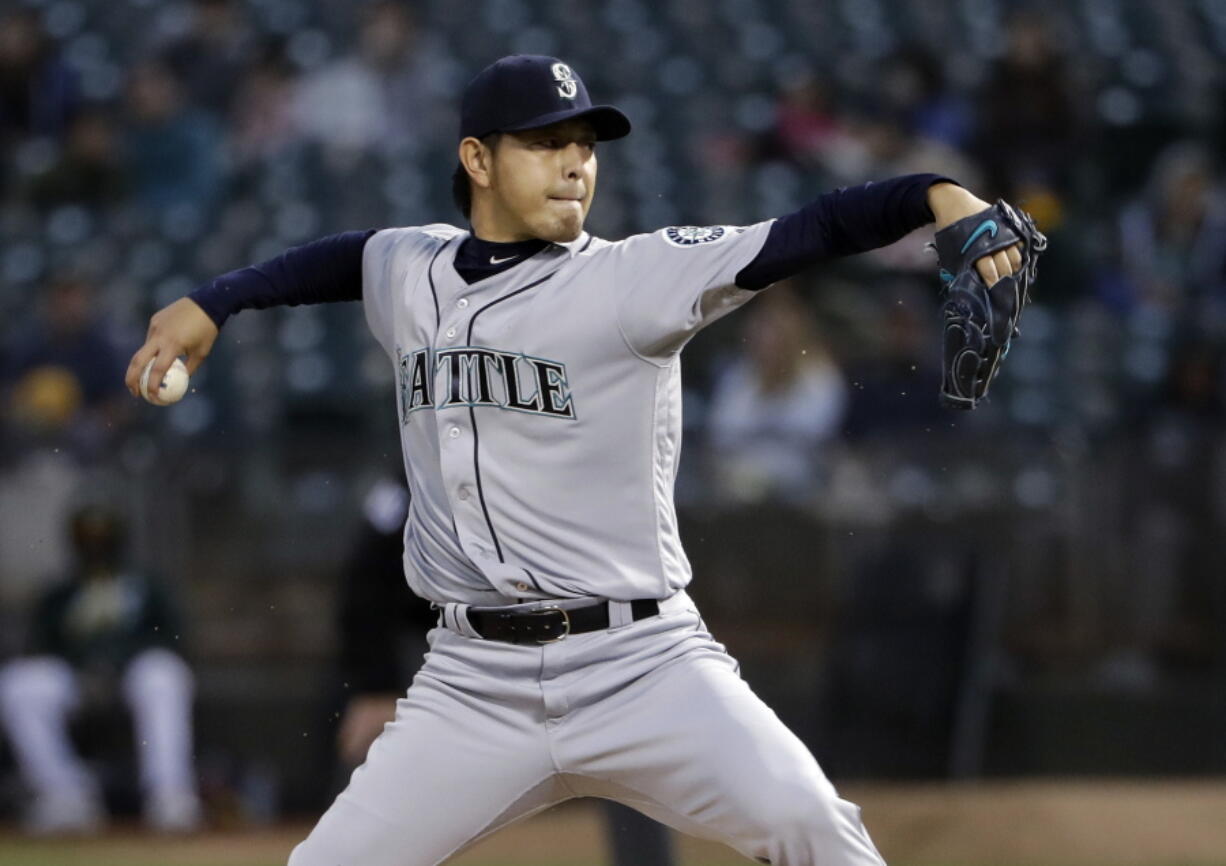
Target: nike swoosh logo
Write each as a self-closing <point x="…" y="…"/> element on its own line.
<point x="988" y="226"/>
<point x="494" y="261"/>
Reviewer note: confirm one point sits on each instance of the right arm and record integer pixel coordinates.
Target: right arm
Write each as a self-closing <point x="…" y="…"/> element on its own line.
<point x="329" y="269"/>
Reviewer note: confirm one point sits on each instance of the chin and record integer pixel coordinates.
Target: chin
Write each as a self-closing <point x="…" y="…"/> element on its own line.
<point x="562" y="232"/>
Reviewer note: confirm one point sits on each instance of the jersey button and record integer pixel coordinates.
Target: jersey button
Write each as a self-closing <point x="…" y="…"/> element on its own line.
<point x="463" y="494"/>
<point x="521" y="586"/>
<point x="450" y="333"/>
<point x="462" y="303"/>
<point x="453" y="432"/>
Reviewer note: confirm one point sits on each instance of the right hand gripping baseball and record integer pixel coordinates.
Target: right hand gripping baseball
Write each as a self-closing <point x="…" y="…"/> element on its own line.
<point x="180" y="329"/>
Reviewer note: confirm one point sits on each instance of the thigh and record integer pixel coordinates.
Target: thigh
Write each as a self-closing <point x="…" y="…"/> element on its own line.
<point x="452" y="767"/>
<point x="691" y="745"/>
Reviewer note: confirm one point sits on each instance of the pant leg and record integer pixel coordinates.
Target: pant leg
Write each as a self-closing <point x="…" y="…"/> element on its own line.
<point x="465" y="755"/>
<point x="37" y="695"/>
<point x="158" y="687"/>
<point x="686" y="741"/>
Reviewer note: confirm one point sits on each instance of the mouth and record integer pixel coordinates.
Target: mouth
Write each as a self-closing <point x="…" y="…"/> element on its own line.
<point x="575" y="199"/>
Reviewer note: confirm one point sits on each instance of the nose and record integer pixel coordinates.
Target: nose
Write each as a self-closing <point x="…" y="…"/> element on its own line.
<point x="573" y="157"/>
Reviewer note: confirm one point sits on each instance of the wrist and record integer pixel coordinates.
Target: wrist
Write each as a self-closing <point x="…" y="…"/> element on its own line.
<point x="950" y="203"/>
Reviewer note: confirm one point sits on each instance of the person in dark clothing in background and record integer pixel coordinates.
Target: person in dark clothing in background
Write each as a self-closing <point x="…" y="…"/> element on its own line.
<point x="107" y="628"/>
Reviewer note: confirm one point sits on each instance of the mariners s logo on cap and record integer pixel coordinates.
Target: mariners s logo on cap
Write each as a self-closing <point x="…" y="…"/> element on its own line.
<point x="567" y="87"/>
<point x="528" y="91"/>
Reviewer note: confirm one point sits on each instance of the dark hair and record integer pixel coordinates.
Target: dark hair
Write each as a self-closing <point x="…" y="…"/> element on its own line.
<point x="461" y="186"/>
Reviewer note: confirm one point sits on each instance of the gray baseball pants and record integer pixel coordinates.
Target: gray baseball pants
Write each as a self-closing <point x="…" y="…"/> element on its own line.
<point x="652" y="714"/>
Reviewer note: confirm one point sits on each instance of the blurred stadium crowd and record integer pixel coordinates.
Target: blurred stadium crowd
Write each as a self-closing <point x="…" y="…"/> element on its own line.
<point x="146" y="145"/>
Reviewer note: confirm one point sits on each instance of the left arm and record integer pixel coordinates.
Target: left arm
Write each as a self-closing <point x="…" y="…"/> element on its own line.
<point x="855" y="219"/>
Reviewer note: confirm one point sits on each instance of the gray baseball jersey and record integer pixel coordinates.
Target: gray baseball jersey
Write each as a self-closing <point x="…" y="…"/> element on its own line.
<point x="540" y="416"/>
<point x="540" y="408"/>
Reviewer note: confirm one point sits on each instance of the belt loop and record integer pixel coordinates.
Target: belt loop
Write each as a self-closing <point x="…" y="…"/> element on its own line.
<point x="620" y="614"/>
<point x="455" y="617"/>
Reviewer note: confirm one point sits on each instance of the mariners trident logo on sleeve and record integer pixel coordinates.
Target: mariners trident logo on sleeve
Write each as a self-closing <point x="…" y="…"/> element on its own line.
<point x="688" y="236"/>
<point x="476" y="376"/>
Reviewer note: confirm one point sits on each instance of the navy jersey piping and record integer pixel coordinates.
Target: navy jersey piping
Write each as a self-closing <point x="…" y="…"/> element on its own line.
<point x="438" y="316"/>
<point x="472" y="415"/>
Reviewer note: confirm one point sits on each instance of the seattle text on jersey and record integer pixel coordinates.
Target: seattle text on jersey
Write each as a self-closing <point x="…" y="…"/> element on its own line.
<point x="478" y="376"/>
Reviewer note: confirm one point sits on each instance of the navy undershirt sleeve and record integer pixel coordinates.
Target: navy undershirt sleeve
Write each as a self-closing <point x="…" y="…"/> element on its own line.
<point x="846" y="221"/>
<point x="329" y="269"/>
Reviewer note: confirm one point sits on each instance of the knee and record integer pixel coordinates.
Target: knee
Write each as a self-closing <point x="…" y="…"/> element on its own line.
<point x="36" y="681"/>
<point x="797" y="810"/>
<point x="159" y="672"/>
<point x="812" y="824"/>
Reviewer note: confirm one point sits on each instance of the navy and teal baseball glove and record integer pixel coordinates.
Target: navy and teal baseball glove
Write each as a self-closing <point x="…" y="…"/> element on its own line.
<point x="979" y="320"/>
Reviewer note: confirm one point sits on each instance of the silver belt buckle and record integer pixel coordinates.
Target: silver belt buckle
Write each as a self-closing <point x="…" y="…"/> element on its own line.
<point x="565" y="622"/>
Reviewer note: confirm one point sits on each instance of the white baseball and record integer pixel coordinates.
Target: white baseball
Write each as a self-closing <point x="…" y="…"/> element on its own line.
<point x="174" y="384"/>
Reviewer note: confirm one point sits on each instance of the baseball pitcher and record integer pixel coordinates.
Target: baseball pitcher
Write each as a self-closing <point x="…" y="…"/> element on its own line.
<point x="539" y="400"/>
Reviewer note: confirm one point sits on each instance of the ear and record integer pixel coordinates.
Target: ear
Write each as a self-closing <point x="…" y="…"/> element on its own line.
<point x="477" y="160"/>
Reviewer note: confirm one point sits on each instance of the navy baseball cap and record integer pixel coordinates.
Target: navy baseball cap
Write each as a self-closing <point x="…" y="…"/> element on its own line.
<point x="528" y="91"/>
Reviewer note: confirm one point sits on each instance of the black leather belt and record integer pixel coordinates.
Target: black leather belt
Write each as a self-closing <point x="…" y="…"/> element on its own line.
<point x="550" y="624"/>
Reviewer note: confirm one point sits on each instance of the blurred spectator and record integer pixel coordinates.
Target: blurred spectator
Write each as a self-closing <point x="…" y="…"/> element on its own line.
<point x="62" y="403"/>
<point x="38" y="90"/>
<point x="62" y="377"/>
<point x="894" y="385"/>
<point x="891" y="150"/>
<point x="383" y="98"/>
<point x="89" y="170"/>
<point x="173" y="149"/>
<point x="1029" y="126"/>
<point x="1173" y="604"/>
<point x="1173" y="240"/>
<point x="262" y="124"/>
<point x="914" y="87"/>
<point x="382" y="624"/>
<point x="106" y="629"/>
<point x="807" y="128"/>
<point x="208" y="59"/>
<point x="775" y="407"/>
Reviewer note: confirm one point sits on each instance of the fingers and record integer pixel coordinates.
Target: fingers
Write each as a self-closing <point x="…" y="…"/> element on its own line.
<point x="987" y="270"/>
<point x="181" y="329"/>
<point x="164" y="359"/>
<point x="136" y="365"/>
<point x="1001" y="263"/>
<point x="163" y="353"/>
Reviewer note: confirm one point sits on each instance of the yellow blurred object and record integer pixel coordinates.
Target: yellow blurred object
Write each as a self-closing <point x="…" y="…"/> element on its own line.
<point x="46" y="398"/>
<point x="1042" y="204"/>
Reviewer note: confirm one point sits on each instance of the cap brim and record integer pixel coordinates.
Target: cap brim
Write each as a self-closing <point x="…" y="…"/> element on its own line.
<point x="607" y="121"/>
